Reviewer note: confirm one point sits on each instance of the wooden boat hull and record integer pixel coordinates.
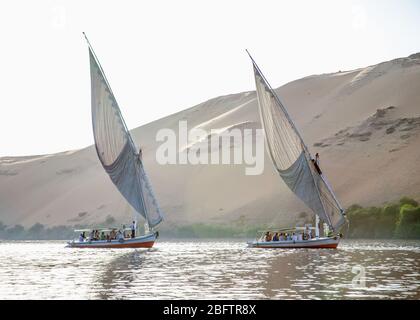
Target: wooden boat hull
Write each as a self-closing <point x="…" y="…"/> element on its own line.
<point x="146" y="241"/>
<point x="321" y="243"/>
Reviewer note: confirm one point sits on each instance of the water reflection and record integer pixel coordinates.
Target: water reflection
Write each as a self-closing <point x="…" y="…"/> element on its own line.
<point x="119" y="274"/>
<point x="353" y="273"/>
<point x="210" y="270"/>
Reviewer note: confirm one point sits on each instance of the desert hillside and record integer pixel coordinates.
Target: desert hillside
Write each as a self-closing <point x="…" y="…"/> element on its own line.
<point x="364" y="123"/>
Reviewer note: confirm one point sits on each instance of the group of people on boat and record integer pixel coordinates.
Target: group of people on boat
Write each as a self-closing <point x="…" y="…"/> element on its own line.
<point x="96" y="235"/>
<point x="280" y="236"/>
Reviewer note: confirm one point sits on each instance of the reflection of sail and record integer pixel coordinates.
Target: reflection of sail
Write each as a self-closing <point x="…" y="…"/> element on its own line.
<point x="116" y="149"/>
<point x="291" y="158"/>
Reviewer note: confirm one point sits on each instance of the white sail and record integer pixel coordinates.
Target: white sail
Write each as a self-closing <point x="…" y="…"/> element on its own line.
<point x="116" y="149"/>
<point x="291" y="157"/>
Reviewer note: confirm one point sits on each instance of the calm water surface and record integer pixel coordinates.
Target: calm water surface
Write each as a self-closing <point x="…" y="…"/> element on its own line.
<point x="210" y="270"/>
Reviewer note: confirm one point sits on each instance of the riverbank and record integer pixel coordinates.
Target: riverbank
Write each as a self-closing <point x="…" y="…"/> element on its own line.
<point x="399" y="220"/>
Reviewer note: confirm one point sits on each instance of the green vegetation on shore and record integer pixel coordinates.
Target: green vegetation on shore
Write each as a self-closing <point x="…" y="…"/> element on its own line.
<point x="36" y="232"/>
<point x="210" y="231"/>
<point x="40" y="232"/>
<point x="399" y="220"/>
<point x="193" y="231"/>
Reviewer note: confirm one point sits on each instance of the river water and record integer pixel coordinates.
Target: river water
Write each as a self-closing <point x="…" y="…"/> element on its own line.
<point x="210" y="270"/>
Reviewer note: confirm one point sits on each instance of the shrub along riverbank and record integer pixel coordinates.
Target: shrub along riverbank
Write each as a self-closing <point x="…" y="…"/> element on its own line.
<point x="400" y="220"/>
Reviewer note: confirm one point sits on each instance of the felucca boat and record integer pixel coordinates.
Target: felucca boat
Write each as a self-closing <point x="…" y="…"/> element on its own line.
<point x="122" y="160"/>
<point x="301" y="173"/>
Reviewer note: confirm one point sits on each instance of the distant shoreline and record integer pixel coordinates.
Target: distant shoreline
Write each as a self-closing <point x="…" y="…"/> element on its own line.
<point x="399" y="220"/>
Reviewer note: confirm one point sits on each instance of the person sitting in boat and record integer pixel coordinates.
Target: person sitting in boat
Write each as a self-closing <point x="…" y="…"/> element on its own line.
<point x="112" y="235"/>
<point x="103" y="235"/>
<point x="120" y="236"/>
<point x="81" y="238"/>
<point x="276" y="237"/>
<point x="294" y="237"/>
<point x="281" y="237"/>
<point x="268" y="237"/>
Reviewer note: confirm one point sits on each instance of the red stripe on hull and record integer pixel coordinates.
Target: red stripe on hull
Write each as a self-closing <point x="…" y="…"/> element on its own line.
<point x="321" y="246"/>
<point x="148" y="244"/>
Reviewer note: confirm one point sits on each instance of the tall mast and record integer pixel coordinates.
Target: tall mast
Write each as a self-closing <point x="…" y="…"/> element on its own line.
<point x="304" y="146"/>
<point x="279" y="102"/>
<point x="109" y="86"/>
<point x="139" y="178"/>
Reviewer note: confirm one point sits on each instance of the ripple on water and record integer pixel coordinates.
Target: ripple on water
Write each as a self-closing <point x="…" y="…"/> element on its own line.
<point x="210" y="270"/>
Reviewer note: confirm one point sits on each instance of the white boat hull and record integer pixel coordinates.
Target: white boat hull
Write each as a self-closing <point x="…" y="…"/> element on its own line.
<point x="320" y="243"/>
<point x="146" y="241"/>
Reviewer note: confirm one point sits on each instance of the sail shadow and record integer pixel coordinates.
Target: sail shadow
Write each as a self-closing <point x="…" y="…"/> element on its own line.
<point x="117" y="280"/>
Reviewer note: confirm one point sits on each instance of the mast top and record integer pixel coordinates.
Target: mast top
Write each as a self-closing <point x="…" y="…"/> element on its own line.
<point x="110" y="89"/>
<point x="87" y="40"/>
<point x="276" y="97"/>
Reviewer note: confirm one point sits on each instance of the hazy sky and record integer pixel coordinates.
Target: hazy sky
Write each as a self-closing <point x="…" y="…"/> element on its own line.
<point x="165" y="56"/>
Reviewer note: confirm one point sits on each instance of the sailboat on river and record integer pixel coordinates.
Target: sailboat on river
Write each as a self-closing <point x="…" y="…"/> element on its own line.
<point x="122" y="161"/>
<point x="301" y="173"/>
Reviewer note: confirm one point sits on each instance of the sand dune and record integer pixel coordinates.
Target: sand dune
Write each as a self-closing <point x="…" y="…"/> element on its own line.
<point x="365" y="123"/>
